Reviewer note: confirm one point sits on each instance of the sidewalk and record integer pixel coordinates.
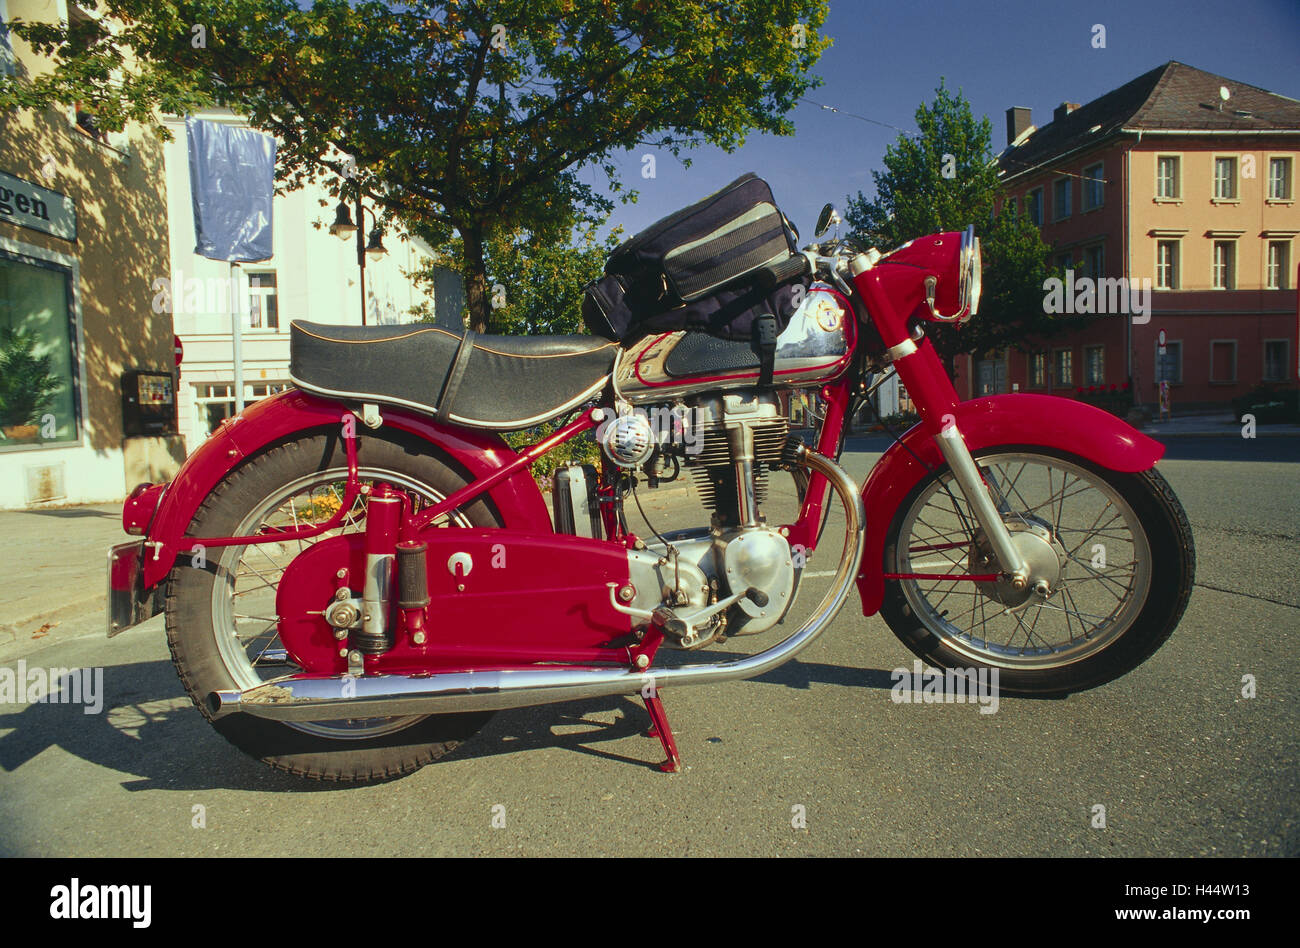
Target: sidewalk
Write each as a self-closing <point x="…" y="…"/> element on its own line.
<point x="1216" y="425"/>
<point x="54" y="566"/>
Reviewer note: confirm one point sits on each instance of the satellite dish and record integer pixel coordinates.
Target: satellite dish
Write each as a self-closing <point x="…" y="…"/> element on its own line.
<point x="1224" y="94"/>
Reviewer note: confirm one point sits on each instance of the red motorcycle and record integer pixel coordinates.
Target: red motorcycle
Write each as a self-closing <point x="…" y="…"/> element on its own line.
<point x="358" y="572"/>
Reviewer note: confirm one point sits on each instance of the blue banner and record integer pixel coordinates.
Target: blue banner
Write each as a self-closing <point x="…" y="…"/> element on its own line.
<point x="232" y="183"/>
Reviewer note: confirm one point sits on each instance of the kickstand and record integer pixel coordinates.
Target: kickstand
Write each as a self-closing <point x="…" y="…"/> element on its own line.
<point x="660" y="728"/>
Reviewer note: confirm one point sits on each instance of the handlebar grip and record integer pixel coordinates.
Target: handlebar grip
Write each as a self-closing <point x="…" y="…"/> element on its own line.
<point x="777" y="273"/>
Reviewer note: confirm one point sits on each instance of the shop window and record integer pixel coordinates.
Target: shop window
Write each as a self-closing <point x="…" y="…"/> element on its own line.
<point x="39" y="366"/>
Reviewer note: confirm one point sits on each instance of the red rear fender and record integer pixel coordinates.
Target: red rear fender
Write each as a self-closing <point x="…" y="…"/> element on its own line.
<point x="275" y="418"/>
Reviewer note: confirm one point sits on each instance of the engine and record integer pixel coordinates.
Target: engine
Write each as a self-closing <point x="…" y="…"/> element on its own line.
<point x="735" y="577"/>
<point x="725" y="422"/>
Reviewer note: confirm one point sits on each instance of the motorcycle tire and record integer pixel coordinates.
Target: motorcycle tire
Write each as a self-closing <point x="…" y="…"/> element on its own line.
<point x="196" y="589"/>
<point x="1160" y="574"/>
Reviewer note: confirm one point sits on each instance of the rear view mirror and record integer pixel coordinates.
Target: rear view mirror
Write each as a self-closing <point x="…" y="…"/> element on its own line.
<point x="826" y="219"/>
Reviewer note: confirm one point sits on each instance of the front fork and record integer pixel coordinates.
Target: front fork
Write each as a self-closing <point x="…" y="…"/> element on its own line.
<point x="921" y="371"/>
<point x="965" y="472"/>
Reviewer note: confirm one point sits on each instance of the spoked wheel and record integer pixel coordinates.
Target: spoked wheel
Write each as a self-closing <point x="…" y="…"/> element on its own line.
<point x="221" y="604"/>
<point x="1111" y="568"/>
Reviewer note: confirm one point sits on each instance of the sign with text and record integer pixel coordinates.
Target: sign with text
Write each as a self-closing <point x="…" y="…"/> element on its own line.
<point x="29" y="205"/>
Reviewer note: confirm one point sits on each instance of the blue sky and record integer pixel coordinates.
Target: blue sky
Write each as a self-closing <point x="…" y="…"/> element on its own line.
<point x="888" y="57"/>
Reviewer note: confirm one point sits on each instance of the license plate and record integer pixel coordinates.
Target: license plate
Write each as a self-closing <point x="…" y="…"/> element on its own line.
<point x="129" y="603"/>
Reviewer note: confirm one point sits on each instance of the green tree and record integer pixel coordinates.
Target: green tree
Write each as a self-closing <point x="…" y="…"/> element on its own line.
<point x="535" y="287"/>
<point x="461" y="118"/>
<point x="944" y="179"/>
<point x="26" y="385"/>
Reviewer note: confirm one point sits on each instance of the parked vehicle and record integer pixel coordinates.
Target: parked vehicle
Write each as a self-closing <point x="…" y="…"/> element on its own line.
<point x="356" y="573"/>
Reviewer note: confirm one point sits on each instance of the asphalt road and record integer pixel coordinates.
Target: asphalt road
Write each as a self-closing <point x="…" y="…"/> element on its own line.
<point x="1181" y="761"/>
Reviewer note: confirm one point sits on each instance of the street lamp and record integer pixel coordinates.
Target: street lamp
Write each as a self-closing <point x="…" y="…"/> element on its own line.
<point x="344" y="227"/>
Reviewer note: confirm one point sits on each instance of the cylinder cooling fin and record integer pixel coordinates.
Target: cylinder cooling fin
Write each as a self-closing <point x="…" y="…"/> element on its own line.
<point x="711" y="459"/>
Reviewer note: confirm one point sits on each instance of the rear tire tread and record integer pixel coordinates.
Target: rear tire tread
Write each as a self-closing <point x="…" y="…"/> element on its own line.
<point x="354" y="762"/>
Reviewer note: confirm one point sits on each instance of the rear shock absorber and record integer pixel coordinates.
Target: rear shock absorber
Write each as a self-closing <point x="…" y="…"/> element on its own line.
<point x="413" y="586"/>
<point x="383" y="515"/>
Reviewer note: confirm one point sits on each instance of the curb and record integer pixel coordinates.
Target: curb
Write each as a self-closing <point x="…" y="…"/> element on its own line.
<point x="15" y="636"/>
<point x="1165" y="435"/>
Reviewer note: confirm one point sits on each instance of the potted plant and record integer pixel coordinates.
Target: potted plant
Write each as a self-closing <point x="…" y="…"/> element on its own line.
<point x="26" y="386"/>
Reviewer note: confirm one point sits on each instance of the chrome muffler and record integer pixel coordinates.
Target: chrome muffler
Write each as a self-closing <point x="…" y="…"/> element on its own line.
<point x="321" y="698"/>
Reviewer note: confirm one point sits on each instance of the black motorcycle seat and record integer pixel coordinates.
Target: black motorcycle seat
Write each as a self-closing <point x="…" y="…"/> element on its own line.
<point x="478" y="381"/>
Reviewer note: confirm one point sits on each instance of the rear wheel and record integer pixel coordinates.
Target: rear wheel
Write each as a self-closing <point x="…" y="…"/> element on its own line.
<point x="221" y="607"/>
<point x="1113" y="552"/>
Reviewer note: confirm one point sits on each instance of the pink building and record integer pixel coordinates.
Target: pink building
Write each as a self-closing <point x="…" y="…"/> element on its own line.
<point x="1181" y="178"/>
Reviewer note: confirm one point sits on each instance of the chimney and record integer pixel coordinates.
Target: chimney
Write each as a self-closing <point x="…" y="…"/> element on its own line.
<point x="1064" y="109"/>
<point x="1017" y="121"/>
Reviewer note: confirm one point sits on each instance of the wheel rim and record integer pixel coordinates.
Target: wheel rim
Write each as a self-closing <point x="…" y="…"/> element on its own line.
<point x="1103" y="553"/>
<point x="243" y="600"/>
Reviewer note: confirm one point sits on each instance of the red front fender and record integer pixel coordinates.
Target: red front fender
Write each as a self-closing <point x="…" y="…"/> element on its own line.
<point x="1045" y="421"/>
<point x="272" y="419"/>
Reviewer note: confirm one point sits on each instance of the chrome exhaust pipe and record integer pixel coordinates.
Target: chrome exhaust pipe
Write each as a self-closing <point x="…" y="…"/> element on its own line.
<point x="320" y="698"/>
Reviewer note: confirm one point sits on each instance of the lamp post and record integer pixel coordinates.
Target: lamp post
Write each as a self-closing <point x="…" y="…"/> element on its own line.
<point x="374" y="248"/>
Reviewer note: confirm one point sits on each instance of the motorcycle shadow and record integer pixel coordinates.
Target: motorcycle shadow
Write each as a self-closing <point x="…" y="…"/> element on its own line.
<point x="587" y="723"/>
<point x="148" y="730"/>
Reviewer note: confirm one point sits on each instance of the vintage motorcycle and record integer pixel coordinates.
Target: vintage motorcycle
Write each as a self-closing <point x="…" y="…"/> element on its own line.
<point x="357" y="572"/>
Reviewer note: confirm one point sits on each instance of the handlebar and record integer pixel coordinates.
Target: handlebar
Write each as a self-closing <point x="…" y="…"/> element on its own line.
<point x="775" y="274"/>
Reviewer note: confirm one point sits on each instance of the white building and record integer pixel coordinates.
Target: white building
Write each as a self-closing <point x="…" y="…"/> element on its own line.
<point x="312" y="275"/>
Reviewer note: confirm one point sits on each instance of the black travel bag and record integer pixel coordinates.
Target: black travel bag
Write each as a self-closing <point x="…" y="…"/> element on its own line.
<point x="696" y="269"/>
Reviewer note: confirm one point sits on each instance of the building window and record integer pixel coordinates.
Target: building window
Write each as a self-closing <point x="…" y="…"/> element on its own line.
<point x="1060" y="198"/>
<point x="1167" y="265"/>
<point x="268" y="388"/>
<point x="1038" y="370"/>
<point x="1225" y="179"/>
<point x="1095" y="261"/>
<point x="1063" y="366"/>
<point x="1279" y="179"/>
<point x="1223" y="360"/>
<point x="1094" y="365"/>
<point x="1169" y="367"/>
<point x="1276" y="361"/>
<point x="1225" y="265"/>
<point x="1034" y="206"/>
<point x="1279" y="265"/>
<point x="39" y="364"/>
<point x="1093" y="187"/>
<point x="1065" y="261"/>
<point x="213" y="404"/>
<point x="1169" y="186"/>
<point x="263" y="306"/>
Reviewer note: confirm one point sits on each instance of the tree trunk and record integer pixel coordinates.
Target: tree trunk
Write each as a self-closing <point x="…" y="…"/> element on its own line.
<point x="476" y="290"/>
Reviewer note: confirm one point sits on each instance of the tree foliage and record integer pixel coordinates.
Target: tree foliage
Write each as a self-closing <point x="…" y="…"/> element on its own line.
<point x="27" y="387"/>
<point x="535" y="287"/>
<point x="944" y="179"/>
<point x="462" y="118"/>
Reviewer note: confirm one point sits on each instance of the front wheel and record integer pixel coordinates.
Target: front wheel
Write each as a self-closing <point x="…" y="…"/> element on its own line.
<point x="1111" y="559"/>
